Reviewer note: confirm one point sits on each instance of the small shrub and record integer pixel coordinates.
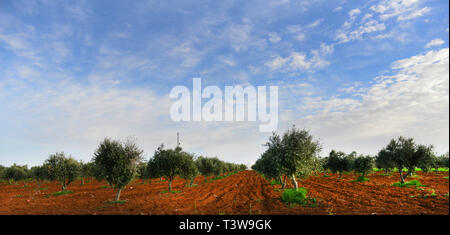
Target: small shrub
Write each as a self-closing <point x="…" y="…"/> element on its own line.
<point x="408" y="184"/>
<point x="62" y="193"/>
<point x="275" y="182"/>
<point x="117" y="202"/>
<point x="361" y="179"/>
<point x="298" y="196"/>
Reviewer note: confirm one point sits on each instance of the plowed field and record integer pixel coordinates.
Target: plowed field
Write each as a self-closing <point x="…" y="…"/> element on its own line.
<point x="242" y="193"/>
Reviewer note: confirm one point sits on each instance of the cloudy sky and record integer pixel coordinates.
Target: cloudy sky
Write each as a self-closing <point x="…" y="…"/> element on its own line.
<point x="355" y="73"/>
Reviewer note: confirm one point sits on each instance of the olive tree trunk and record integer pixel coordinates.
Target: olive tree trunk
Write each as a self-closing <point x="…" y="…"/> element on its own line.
<point x="118" y="194"/>
<point x="294" y="182"/>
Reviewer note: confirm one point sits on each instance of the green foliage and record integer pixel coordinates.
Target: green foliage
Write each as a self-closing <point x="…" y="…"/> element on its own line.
<point x="299" y="150"/>
<point x="339" y="162"/>
<point x="296" y="197"/>
<point x="384" y="161"/>
<point x="117" y="162"/>
<point x="170" y="163"/>
<point x="87" y="170"/>
<point x="60" y="193"/>
<point x="269" y="164"/>
<point x="408" y="184"/>
<point x="117" y="202"/>
<point x="205" y="166"/>
<point x="294" y="155"/>
<point x="62" y="169"/>
<point x="16" y="173"/>
<point x="189" y="169"/>
<point x="363" y="165"/>
<point x="406" y="154"/>
<point x="361" y="179"/>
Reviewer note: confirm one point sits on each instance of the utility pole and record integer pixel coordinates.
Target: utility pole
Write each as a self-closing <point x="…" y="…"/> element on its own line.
<point x="178" y="139"/>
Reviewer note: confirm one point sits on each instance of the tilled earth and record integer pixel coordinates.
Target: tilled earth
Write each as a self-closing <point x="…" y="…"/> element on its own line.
<point x="242" y="193"/>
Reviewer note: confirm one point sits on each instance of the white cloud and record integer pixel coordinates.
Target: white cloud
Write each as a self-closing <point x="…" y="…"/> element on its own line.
<point x="274" y="38"/>
<point x="339" y="8"/>
<point x="345" y="34"/>
<point x="434" y="43"/>
<point x="315" y="23"/>
<point x="354" y="12"/>
<point x="299" y="61"/>
<point x="414" y="102"/>
<point x="402" y="9"/>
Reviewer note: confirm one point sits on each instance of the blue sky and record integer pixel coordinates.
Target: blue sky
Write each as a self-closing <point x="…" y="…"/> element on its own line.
<point x="354" y="73"/>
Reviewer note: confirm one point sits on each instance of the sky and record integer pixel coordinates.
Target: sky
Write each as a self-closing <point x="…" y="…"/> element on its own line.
<point x="354" y="73"/>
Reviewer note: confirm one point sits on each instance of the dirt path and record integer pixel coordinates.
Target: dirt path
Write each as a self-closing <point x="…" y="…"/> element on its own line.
<point x="242" y="193"/>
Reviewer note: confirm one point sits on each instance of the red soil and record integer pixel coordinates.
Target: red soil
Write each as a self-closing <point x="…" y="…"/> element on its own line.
<point x="242" y="193"/>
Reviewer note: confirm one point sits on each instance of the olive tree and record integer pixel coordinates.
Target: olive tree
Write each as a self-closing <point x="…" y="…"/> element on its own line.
<point x="169" y="163"/>
<point x="117" y="162"/>
<point x="443" y="161"/>
<point x="339" y="162"/>
<point x="406" y="154"/>
<point x="299" y="149"/>
<point x="363" y="165"/>
<point x="62" y="169"/>
<point x="325" y="167"/>
<point x="16" y="173"/>
<point x="86" y="171"/>
<point x="39" y="173"/>
<point x="189" y="169"/>
<point x="205" y="166"/>
<point x="384" y="160"/>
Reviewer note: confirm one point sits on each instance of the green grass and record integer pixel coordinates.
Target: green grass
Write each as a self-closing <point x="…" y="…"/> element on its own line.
<point x="277" y="189"/>
<point x="408" y="184"/>
<point x="275" y="182"/>
<point x="446" y="177"/>
<point x="60" y="193"/>
<point x="296" y="197"/>
<point x="19" y="196"/>
<point x="117" y="202"/>
<point x="361" y="179"/>
<point x="326" y="176"/>
<point x="173" y="191"/>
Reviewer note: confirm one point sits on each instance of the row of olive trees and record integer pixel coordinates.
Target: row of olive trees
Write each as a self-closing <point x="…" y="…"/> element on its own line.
<point x="401" y="153"/>
<point x="340" y="162"/>
<point x="170" y="163"/>
<point x="118" y="163"/>
<point x="404" y="153"/>
<point x="57" y="167"/>
<point x="292" y="155"/>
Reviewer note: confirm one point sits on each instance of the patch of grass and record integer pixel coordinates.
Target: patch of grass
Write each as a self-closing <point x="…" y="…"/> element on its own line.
<point x="60" y="193"/>
<point x="277" y="189"/>
<point x="361" y="179"/>
<point x="19" y="196"/>
<point x="297" y="197"/>
<point x="173" y="191"/>
<point x="326" y="176"/>
<point x="408" y="184"/>
<point x="117" y="202"/>
<point x="275" y="182"/>
<point x="446" y="177"/>
<point x="106" y="186"/>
